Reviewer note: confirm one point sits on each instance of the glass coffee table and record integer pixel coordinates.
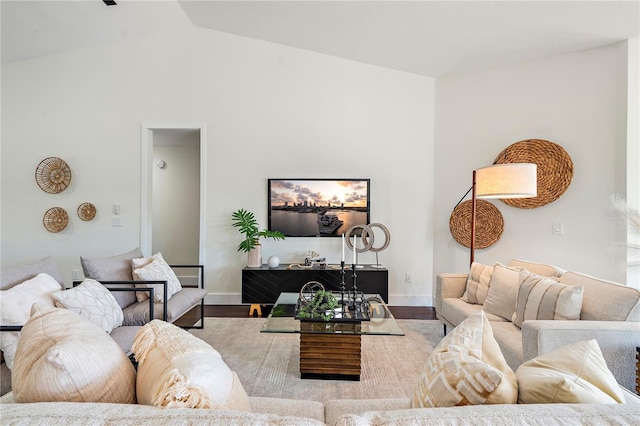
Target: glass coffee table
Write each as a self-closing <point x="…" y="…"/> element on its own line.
<point x="331" y="349"/>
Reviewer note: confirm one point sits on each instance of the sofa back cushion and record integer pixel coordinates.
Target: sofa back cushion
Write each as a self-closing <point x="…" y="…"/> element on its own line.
<point x="605" y="300"/>
<point x="537" y="268"/>
<point x="112" y="268"/>
<point x="17" y="274"/>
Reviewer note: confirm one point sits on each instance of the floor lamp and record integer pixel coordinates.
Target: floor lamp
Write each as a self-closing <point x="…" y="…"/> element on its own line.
<point x="512" y="180"/>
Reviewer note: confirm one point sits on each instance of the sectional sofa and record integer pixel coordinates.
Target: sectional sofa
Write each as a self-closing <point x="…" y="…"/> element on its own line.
<point x="609" y="312"/>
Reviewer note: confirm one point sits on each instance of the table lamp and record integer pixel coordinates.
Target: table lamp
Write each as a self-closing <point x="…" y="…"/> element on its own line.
<point x="511" y="180"/>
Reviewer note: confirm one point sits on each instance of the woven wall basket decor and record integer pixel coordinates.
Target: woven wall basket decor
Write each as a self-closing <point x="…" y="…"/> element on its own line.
<point x="53" y="175"/>
<point x="555" y="170"/>
<point x="86" y="211"/>
<point x="489" y="224"/>
<point x="55" y="219"/>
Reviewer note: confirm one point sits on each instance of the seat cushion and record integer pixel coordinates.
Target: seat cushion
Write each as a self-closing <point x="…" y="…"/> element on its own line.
<point x="509" y="337"/>
<point x="178" y="305"/>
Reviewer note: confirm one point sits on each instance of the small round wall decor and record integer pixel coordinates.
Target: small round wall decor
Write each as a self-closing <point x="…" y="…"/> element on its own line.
<point x="53" y="175"/>
<point x="55" y="219"/>
<point x="86" y="211"/>
<point x="489" y="224"/>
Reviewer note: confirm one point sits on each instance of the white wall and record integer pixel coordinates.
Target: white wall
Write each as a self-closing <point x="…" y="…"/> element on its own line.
<point x="270" y="111"/>
<point x="577" y="101"/>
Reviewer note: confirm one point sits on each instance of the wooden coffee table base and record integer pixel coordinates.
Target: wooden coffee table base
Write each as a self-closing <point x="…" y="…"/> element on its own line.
<point x="330" y="356"/>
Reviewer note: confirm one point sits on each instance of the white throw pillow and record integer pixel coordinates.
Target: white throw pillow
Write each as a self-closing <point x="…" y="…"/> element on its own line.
<point x="503" y="290"/>
<point x="466" y="368"/>
<point x="176" y="369"/>
<point x="151" y="269"/>
<point x="477" y="283"/>
<point x="64" y="357"/>
<point x="92" y="301"/>
<point x="15" y="308"/>
<point x="541" y="298"/>
<point x="575" y="373"/>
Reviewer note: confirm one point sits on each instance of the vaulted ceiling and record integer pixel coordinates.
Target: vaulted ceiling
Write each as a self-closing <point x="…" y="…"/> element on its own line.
<point x="431" y="38"/>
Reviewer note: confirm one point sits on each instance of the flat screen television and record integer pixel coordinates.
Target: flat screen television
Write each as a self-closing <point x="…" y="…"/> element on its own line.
<point x="317" y="207"/>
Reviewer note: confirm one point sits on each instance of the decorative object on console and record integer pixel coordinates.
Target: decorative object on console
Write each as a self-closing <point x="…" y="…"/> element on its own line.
<point x="554" y="170"/>
<point x="247" y="224"/>
<point x="86" y="211"/>
<point x="382" y="247"/>
<point x="273" y="261"/>
<point x="499" y="181"/>
<point x="55" y="219"/>
<point x="53" y="175"/>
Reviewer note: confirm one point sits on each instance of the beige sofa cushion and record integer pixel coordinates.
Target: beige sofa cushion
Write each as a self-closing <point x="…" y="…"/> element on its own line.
<point x="541" y="298"/>
<point x="605" y="300"/>
<point x="575" y="373"/>
<point x="64" y="357"/>
<point x="477" y="283"/>
<point x="466" y="368"/>
<point x="176" y="369"/>
<point x="503" y="290"/>
<point x="537" y="268"/>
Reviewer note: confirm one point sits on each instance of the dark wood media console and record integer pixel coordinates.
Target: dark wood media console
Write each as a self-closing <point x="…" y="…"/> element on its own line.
<point x="264" y="285"/>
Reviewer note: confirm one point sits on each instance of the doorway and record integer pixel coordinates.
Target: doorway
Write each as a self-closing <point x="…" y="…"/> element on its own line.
<point x="173" y="207"/>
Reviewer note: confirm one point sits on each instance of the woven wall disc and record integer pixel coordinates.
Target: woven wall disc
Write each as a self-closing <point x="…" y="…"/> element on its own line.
<point x="489" y="224"/>
<point x="86" y="211"/>
<point x="55" y="219"/>
<point x="53" y="175"/>
<point x="555" y="170"/>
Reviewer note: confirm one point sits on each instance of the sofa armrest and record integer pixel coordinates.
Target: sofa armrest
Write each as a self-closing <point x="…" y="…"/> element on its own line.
<point x="617" y="340"/>
<point x="449" y="285"/>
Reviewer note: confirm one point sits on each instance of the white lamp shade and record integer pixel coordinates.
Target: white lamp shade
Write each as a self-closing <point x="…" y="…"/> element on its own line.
<point x="512" y="180"/>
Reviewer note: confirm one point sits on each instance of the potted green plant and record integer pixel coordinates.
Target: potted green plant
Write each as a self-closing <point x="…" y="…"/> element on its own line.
<point x="247" y="224"/>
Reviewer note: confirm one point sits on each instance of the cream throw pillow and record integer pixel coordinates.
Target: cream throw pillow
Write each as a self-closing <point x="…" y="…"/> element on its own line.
<point x="64" y="357"/>
<point x="575" y="373"/>
<point x="477" y="284"/>
<point x="466" y="368"/>
<point x="155" y="268"/>
<point x="176" y="369"/>
<point x="15" y="308"/>
<point x="92" y="301"/>
<point x="541" y="298"/>
<point x="503" y="290"/>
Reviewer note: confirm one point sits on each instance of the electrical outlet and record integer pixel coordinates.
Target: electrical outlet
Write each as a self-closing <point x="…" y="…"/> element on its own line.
<point x="75" y="275"/>
<point x="557" y="228"/>
<point x="116" y="221"/>
<point x="408" y="278"/>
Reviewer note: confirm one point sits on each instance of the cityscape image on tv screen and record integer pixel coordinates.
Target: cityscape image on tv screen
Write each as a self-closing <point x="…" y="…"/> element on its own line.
<point x="317" y="207"/>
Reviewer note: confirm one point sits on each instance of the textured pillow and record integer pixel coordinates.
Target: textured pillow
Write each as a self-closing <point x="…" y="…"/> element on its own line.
<point x="575" y="373"/>
<point x="64" y="357"/>
<point x="466" y="368"/>
<point x="176" y="369"/>
<point x="477" y="284"/>
<point x="92" y="301"/>
<point x="155" y="268"/>
<point x="541" y="298"/>
<point x="503" y="290"/>
<point x="15" y="308"/>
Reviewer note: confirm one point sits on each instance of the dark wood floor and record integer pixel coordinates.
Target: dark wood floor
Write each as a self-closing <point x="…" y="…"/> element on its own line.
<point x="239" y="311"/>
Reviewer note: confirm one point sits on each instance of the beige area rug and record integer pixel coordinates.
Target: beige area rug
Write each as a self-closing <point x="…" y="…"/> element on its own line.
<point x="268" y="363"/>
